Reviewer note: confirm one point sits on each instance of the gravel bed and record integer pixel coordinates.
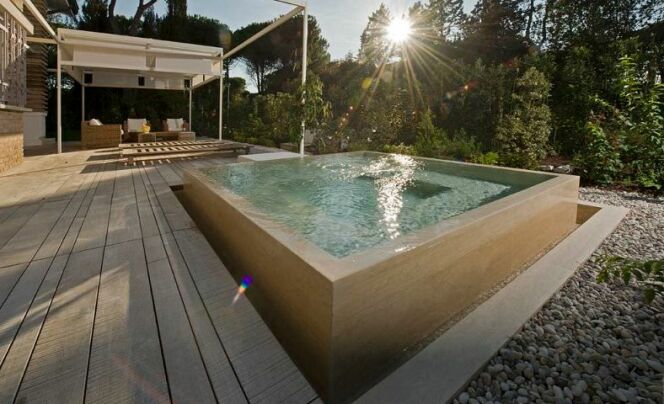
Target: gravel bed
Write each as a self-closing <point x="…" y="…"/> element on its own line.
<point x="592" y="342"/>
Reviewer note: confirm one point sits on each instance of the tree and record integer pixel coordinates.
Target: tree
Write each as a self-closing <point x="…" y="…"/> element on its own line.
<point x="494" y="31"/>
<point x="374" y="47"/>
<point x="260" y="58"/>
<point x="448" y="17"/>
<point x="523" y="134"/>
<point x="287" y="44"/>
<point x="99" y="16"/>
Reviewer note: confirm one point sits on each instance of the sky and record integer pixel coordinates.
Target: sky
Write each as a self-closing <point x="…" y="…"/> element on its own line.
<point x="341" y="21"/>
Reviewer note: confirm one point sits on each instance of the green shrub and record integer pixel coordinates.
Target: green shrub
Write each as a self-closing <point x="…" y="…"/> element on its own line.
<point x="601" y="162"/>
<point x="489" y="158"/>
<point x="626" y="143"/>
<point x="523" y="134"/>
<point x="460" y="147"/>
<point x="399" y="149"/>
<point x="430" y="139"/>
<point x="647" y="275"/>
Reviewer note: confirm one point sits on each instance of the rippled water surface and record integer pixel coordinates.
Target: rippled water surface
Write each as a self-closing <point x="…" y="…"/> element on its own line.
<point x="346" y="203"/>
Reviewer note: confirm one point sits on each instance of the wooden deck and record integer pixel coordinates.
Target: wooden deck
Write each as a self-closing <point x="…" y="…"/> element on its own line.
<point x="109" y="293"/>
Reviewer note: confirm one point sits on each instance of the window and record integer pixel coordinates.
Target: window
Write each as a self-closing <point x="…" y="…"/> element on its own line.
<point x="12" y="61"/>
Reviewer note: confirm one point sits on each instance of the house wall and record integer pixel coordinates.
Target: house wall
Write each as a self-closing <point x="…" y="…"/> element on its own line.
<point x="11" y="139"/>
<point x="34" y="123"/>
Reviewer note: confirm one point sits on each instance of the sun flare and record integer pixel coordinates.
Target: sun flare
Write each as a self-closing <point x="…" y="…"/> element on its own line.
<point x="399" y="30"/>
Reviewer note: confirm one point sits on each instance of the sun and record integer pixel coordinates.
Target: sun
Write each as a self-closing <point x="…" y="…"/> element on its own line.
<point x="399" y="30"/>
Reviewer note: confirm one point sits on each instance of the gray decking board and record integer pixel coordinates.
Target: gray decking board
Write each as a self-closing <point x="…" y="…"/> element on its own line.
<point x="261" y="364"/>
<point x="174" y="212"/>
<point x="125" y="355"/>
<point x="155" y="324"/>
<point x="23" y="246"/>
<point x="188" y="379"/>
<point x="124" y="223"/>
<point x="53" y="241"/>
<point x="15" y="362"/>
<point x="15" y="223"/>
<point x="9" y="276"/>
<point x="218" y="366"/>
<point x="58" y="367"/>
<point x="146" y="216"/>
<point x="6" y="212"/>
<point x="95" y="226"/>
<point x="18" y="302"/>
<point x="169" y="175"/>
<point x="160" y="218"/>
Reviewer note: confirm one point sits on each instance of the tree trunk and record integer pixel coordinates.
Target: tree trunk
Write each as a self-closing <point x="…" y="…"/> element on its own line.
<point x="545" y="21"/>
<point x="531" y="11"/>
<point x="111" y="17"/>
<point x="140" y="10"/>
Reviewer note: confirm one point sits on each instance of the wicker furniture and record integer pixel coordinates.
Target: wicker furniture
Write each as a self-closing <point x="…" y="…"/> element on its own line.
<point x="147" y="137"/>
<point x="102" y="136"/>
<point x="187" y="136"/>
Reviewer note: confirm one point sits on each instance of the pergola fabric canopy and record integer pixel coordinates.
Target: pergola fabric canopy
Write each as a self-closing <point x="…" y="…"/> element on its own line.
<point x="107" y="60"/>
<point x="97" y="59"/>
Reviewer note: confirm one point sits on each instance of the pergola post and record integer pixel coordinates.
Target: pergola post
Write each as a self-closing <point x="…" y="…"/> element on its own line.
<point x="221" y="100"/>
<point x="58" y="85"/>
<point x="83" y="102"/>
<point x="305" y="39"/>
<point x="190" y="122"/>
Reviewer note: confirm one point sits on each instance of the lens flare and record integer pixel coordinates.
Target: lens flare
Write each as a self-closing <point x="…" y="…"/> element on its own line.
<point x="244" y="285"/>
<point x="399" y="30"/>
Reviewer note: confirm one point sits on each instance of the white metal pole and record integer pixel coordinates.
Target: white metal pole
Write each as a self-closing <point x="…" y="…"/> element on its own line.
<point x="83" y="102"/>
<point x="191" y="126"/>
<point x="305" y="39"/>
<point x="58" y="85"/>
<point x="221" y="101"/>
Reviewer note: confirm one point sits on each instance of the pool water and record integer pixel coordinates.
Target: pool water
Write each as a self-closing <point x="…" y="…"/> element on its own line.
<point x="345" y="203"/>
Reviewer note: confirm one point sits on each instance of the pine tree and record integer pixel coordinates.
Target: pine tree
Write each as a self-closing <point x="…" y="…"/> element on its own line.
<point x="448" y="17"/>
<point x="374" y="46"/>
<point x="493" y="31"/>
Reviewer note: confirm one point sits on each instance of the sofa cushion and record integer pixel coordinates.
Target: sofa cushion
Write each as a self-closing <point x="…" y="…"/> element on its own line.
<point x="135" y="125"/>
<point x="175" y="125"/>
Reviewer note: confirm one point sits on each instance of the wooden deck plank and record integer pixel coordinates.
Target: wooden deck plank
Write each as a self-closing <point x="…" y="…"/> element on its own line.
<point x="7" y="211"/>
<point x="261" y="364"/>
<point x="124" y="223"/>
<point x="18" y="302"/>
<point x="220" y="371"/>
<point x="53" y="242"/>
<point x="16" y="221"/>
<point x="8" y="278"/>
<point x="160" y="218"/>
<point x="13" y="367"/>
<point x="95" y="225"/>
<point x="173" y="210"/>
<point x="125" y="359"/>
<point x="187" y="375"/>
<point x="147" y="218"/>
<point x="25" y="243"/>
<point x="58" y="366"/>
<point x="169" y="175"/>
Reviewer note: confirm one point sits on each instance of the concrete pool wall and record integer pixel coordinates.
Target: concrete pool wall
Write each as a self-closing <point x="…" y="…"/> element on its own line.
<point x="346" y="321"/>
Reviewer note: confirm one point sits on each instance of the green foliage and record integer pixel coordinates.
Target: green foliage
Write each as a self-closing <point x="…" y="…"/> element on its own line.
<point x="523" y="134"/>
<point x="646" y="275"/>
<point x="399" y="149"/>
<point x="488" y="158"/>
<point x="430" y="139"/>
<point x="626" y="144"/>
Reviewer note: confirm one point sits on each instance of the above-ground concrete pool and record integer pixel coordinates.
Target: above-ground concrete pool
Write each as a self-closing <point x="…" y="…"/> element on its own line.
<point x="357" y="257"/>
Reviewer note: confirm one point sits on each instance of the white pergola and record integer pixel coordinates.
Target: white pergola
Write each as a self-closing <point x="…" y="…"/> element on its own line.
<point x="106" y="60"/>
